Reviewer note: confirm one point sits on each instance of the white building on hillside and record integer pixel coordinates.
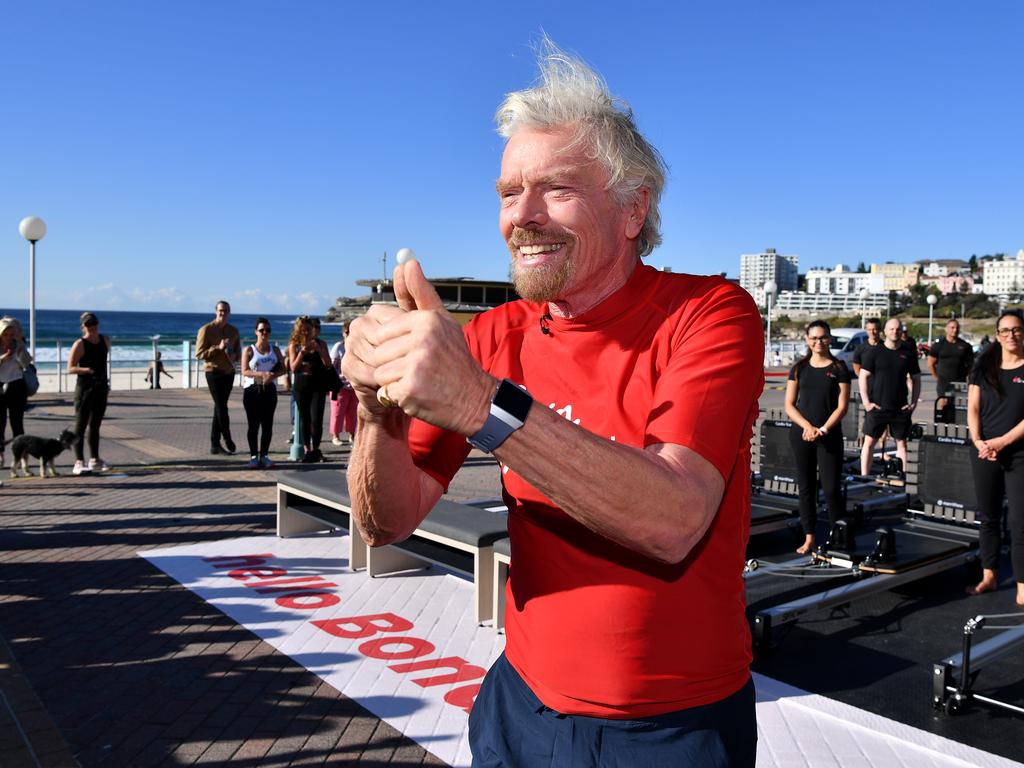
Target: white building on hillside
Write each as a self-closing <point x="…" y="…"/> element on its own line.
<point x="1005" y="277"/>
<point x="843" y="282"/>
<point x="757" y="268"/>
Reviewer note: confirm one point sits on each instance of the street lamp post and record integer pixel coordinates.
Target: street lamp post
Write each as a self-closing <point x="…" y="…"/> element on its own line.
<point x="770" y="288"/>
<point x="932" y="299"/>
<point x="864" y="293"/>
<point x="33" y="229"/>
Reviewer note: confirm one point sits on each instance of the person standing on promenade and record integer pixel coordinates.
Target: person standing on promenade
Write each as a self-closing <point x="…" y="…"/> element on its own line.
<point x="949" y="360"/>
<point x="628" y="491"/>
<point x="995" y="417"/>
<point x="817" y="394"/>
<point x="14" y="359"/>
<point x="262" y="364"/>
<point x="343" y="402"/>
<point x="88" y="361"/>
<point x="155" y="371"/>
<point x="887" y="372"/>
<point x="218" y="346"/>
<point x="307" y="358"/>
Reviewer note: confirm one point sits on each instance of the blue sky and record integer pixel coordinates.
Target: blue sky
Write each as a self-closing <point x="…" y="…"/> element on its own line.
<point x="271" y="152"/>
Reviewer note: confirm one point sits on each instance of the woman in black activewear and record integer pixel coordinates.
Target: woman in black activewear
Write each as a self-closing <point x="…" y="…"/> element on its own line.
<point x="995" y="416"/>
<point x="817" y="394"/>
<point x="308" y="358"/>
<point x="88" y="360"/>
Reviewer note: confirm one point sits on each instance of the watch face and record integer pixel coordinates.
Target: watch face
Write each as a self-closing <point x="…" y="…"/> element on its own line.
<point x="513" y="399"/>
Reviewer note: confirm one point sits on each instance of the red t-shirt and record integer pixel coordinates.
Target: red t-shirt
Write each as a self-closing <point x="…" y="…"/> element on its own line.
<point x="592" y="627"/>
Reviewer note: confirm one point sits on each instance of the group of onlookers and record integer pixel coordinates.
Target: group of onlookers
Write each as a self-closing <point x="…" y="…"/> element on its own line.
<point x="889" y="380"/>
<point x="306" y="368"/>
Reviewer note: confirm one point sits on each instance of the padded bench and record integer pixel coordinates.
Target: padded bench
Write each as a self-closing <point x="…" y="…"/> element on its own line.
<point x="317" y="500"/>
<point x="459" y="537"/>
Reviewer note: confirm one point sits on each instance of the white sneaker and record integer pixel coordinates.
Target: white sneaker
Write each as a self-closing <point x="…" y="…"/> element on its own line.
<point x="80" y="469"/>
<point x="98" y="465"/>
<point x="335" y="440"/>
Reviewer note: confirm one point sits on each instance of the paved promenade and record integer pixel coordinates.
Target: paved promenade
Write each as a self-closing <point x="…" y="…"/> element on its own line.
<point x="104" y="660"/>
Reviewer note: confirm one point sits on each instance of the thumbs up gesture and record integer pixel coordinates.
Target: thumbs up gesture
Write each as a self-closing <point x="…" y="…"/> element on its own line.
<point x="419" y="354"/>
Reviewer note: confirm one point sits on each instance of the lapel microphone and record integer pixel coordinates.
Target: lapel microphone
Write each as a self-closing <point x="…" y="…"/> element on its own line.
<point x="544" y="323"/>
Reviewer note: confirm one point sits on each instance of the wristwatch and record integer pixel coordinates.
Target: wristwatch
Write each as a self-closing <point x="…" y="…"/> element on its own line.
<point x="509" y="408"/>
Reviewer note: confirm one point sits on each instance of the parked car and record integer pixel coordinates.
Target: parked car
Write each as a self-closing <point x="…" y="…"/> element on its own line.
<point x="845" y="341"/>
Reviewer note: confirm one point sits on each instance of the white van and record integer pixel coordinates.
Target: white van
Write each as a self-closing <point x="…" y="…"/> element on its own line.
<point x="845" y="341"/>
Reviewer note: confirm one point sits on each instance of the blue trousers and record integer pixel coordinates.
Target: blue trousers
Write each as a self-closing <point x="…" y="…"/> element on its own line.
<point x="509" y="726"/>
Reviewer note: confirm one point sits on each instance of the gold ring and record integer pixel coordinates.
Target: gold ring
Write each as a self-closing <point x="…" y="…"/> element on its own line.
<point x="383" y="399"/>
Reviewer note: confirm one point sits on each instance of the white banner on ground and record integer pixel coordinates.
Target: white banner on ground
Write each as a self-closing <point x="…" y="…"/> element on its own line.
<point x="407" y="648"/>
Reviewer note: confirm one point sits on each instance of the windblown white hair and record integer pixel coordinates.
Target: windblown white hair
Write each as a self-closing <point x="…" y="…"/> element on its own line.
<point x="569" y="92"/>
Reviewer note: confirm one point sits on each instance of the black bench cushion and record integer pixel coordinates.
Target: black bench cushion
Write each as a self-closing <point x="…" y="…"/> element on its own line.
<point x="469" y="525"/>
<point x="459" y="522"/>
<point x="325" y="482"/>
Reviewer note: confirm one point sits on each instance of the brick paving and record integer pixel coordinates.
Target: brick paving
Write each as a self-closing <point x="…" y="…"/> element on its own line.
<point x="105" y="660"/>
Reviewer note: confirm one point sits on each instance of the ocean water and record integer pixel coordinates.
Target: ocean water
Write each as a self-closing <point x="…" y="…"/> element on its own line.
<point x="131" y="333"/>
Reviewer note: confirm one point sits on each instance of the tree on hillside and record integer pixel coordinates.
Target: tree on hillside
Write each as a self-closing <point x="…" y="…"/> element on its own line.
<point x="861" y="267"/>
<point x="972" y="263"/>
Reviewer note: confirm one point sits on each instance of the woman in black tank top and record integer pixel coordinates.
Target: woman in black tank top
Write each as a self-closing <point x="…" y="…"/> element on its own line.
<point x="817" y="394"/>
<point x="88" y="360"/>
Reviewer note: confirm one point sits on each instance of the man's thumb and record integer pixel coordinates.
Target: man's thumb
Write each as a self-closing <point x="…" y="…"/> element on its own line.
<point x="415" y="288"/>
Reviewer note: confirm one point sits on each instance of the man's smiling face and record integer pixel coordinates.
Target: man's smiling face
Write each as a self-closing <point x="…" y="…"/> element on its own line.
<point x="564" y="230"/>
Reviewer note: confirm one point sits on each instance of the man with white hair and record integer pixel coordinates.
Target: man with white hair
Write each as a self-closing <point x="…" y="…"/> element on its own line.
<point x="619" y="401"/>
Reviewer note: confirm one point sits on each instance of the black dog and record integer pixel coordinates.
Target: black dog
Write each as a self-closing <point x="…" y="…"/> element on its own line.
<point x="46" y="450"/>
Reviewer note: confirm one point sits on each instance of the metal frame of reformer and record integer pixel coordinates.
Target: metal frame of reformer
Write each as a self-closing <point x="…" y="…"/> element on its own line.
<point x="781" y="495"/>
<point x="868" y="582"/>
<point x="953" y="677"/>
<point x="871" y="580"/>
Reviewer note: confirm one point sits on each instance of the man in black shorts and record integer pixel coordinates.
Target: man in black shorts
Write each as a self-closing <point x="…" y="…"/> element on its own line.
<point x="949" y="360"/>
<point x="885" y="370"/>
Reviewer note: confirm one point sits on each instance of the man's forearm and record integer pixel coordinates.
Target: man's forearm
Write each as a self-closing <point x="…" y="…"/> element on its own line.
<point x="656" y="505"/>
<point x="390" y="495"/>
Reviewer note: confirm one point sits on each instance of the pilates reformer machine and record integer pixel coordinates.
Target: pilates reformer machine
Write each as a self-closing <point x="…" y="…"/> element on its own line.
<point x="954" y="677"/>
<point x="936" y="532"/>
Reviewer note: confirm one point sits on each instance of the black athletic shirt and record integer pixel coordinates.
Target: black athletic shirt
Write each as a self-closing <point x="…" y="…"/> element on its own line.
<point x="1000" y="414"/>
<point x="858" y="359"/>
<point x="818" y="391"/>
<point x="93" y="356"/>
<point x="889" y="369"/>
<point x="952" y="361"/>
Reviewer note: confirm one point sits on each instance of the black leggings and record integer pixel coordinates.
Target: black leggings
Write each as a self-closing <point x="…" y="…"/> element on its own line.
<point x="220" y="385"/>
<point x="260" y="403"/>
<point x="310" y="400"/>
<point x="993" y="479"/>
<point x="90" y="405"/>
<point x="13" y="402"/>
<point x="824" y="458"/>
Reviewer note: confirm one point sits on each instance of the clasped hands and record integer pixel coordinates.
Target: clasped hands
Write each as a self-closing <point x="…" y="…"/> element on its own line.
<point x="989" y="449"/>
<point x="418" y="353"/>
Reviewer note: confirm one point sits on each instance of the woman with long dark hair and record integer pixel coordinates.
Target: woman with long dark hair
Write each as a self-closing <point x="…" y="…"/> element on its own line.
<point x="817" y="394"/>
<point x="308" y="358"/>
<point x="995" y="417"/>
<point x="88" y="360"/>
